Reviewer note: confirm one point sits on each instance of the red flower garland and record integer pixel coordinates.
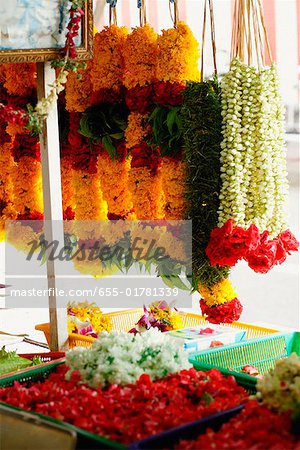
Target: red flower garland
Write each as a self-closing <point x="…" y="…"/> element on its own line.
<point x="225" y="313"/>
<point x="228" y="244"/>
<point x="145" y="156"/>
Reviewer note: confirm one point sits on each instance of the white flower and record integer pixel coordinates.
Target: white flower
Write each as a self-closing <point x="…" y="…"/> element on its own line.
<point x="121" y="358"/>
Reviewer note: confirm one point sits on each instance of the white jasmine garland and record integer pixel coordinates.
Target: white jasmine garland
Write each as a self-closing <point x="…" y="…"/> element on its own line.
<point x="121" y="358"/>
<point x="253" y="161"/>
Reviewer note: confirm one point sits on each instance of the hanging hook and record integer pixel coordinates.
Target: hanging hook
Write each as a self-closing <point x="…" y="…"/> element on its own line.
<point x="142" y="11"/>
<point x="112" y="12"/>
<point x="175" y="16"/>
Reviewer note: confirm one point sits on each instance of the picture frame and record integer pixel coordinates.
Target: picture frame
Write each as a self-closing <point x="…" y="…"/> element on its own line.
<point x="24" y="28"/>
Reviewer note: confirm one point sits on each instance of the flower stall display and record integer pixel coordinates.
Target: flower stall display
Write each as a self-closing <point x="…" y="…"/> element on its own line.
<point x="121" y="358"/>
<point x="87" y="319"/>
<point x="130" y="413"/>
<point x="160" y="315"/>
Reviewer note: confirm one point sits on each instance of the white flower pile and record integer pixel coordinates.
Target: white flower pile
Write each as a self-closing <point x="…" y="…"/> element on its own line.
<point x="121" y="358"/>
<point x="253" y="156"/>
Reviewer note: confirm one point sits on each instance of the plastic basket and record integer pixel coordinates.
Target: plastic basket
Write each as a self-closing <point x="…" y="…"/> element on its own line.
<point x="168" y="439"/>
<point x="75" y="340"/>
<point x="261" y="353"/>
<point x="40" y="373"/>
<point x="126" y="319"/>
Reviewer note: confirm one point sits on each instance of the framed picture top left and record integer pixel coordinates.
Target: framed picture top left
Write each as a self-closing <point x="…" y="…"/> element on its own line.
<point x="35" y="31"/>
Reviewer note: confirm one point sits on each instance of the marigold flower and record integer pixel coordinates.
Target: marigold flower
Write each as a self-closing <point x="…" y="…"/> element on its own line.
<point x="218" y="294"/>
<point x="178" y="55"/>
<point x="78" y="90"/>
<point x="137" y="129"/>
<point x="20" y="81"/>
<point x="108" y="63"/>
<point x="88" y="200"/>
<point x="140" y="57"/>
<point x="173" y="175"/>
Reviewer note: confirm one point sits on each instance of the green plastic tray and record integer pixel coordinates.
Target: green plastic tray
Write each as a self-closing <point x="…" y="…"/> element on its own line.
<point x="41" y="373"/>
<point x="261" y="352"/>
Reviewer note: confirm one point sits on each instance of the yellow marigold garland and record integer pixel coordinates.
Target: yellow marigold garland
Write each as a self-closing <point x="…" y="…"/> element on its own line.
<point x="108" y="63"/>
<point x="147" y="193"/>
<point x="78" y="90"/>
<point x="114" y="177"/>
<point x="66" y="183"/>
<point x="137" y="129"/>
<point x="140" y="56"/>
<point x="178" y="55"/>
<point x="173" y="175"/>
<point x="6" y="186"/>
<point x="27" y="184"/>
<point x="220" y="293"/>
<point x="89" y="203"/>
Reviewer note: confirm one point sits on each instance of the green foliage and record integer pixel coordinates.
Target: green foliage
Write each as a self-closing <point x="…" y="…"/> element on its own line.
<point x="105" y="123"/>
<point x="202" y="122"/>
<point x="166" y="123"/>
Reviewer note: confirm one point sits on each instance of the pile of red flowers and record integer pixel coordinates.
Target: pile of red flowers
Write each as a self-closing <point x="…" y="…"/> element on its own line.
<point x="229" y="244"/>
<point x="126" y="414"/>
<point x="256" y="427"/>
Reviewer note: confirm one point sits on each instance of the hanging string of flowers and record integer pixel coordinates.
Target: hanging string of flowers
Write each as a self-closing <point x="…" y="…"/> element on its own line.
<point x="254" y="191"/>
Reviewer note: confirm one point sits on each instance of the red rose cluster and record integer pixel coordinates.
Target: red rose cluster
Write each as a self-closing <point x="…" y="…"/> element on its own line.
<point x="256" y="427"/>
<point x="126" y="414"/>
<point x="225" y="313"/>
<point x="73" y="31"/>
<point x="229" y="244"/>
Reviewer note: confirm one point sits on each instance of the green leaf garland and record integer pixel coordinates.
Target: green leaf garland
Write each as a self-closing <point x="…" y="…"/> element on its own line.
<point x="202" y="125"/>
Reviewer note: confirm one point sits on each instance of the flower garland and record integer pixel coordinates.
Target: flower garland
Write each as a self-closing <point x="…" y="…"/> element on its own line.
<point x="178" y="55"/>
<point x="202" y="118"/>
<point x="79" y="90"/>
<point x="145" y="179"/>
<point x="108" y="63"/>
<point x="254" y="188"/>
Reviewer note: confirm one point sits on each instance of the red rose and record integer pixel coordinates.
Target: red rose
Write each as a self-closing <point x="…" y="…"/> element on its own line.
<point x="225" y="313"/>
<point x="36" y="220"/>
<point x="289" y="241"/>
<point x="167" y="93"/>
<point x="74" y="138"/>
<point x="121" y="151"/>
<point x="228" y="244"/>
<point x="263" y="258"/>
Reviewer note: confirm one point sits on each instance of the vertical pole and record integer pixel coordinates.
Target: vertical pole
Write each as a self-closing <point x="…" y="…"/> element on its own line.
<point x="50" y="159"/>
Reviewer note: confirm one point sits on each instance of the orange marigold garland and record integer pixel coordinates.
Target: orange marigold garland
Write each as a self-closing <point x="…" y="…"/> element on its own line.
<point x="140" y="56"/>
<point x="173" y="176"/>
<point x="79" y="89"/>
<point x="178" y="55"/>
<point x="108" y="63"/>
<point x="114" y="177"/>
